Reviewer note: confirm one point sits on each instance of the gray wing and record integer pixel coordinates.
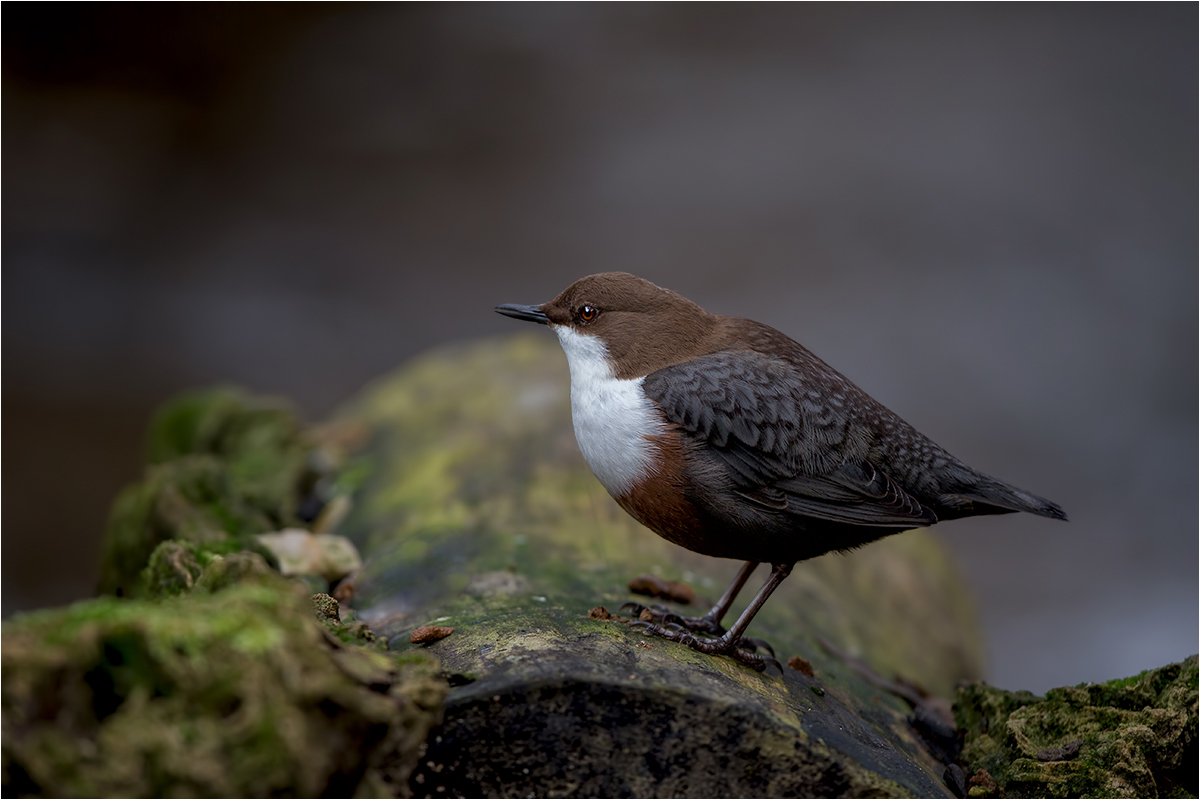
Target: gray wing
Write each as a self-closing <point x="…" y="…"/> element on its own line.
<point x="787" y="445"/>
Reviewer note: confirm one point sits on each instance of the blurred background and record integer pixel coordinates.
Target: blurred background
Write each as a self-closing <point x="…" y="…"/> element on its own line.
<point x="986" y="216"/>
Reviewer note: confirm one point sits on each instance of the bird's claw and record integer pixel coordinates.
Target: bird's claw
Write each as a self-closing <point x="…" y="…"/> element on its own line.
<point x="735" y="649"/>
<point x="756" y="643"/>
<point x="675" y="634"/>
<point x="658" y="620"/>
<point x="635" y="609"/>
<point x="664" y="616"/>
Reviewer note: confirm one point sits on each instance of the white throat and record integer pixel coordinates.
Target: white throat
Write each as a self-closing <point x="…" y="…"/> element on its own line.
<point x="612" y="417"/>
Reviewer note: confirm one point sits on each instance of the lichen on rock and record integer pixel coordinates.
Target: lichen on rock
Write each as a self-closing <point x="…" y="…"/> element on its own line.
<point x="347" y="629"/>
<point x="1134" y="737"/>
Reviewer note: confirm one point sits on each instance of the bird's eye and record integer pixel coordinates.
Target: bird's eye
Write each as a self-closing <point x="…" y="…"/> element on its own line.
<point x="588" y="313"/>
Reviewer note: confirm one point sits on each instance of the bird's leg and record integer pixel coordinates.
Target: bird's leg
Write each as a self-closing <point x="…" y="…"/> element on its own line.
<point x="710" y="623"/>
<point x="732" y="643"/>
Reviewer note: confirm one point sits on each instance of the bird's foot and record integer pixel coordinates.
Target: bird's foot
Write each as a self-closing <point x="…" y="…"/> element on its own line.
<point x="663" y="616"/>
<point x="743" y="649"/>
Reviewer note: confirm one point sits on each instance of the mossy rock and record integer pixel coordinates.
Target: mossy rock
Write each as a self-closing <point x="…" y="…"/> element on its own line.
<point x="1134" y="737"/>
<point x="224" y="467"/>
<point x="477" y="512"/>
<point x="237" y="693"/>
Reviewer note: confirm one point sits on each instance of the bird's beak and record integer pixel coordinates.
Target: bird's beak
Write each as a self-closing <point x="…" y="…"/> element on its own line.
<point x="529" y="313"/>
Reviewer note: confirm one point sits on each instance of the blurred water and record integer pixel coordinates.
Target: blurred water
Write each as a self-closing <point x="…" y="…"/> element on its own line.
<point x="985" y="216"/>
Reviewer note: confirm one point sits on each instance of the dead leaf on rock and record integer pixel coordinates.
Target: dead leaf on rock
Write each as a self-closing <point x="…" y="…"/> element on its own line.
<point x="430" y="633"/>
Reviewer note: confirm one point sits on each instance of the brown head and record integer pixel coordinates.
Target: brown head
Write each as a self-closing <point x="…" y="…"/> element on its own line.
<point x="644" y="327"/>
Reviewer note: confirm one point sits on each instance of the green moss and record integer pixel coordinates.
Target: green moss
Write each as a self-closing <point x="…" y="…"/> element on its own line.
<point x="1134" y="737"/>
<point x="176" y="567"/>
<point x="235" y="569"/>
<point x="173" y="570"/>
<point x="236" y="693"/>
<point x="224" y="467"/>
<point x="1121" y="683"/>
<point x="222" y="421"/>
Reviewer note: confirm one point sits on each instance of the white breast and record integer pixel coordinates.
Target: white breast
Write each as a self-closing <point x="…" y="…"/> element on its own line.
<point x="612" y="417"/>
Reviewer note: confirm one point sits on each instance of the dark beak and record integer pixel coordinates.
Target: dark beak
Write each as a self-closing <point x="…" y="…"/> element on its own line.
<point x="529" y="313"/>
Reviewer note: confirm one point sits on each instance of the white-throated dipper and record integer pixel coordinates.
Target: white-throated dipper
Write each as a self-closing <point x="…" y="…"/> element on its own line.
<point x="726" y="437"/>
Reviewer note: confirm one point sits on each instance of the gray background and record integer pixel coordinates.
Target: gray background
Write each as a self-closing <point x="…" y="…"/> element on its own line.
<point x="986" y="216"/>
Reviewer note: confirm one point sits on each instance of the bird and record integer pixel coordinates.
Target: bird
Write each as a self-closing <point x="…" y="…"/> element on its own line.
<point x="728" y="438"/>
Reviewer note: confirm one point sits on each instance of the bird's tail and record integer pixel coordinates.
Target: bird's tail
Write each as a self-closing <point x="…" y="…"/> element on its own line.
<point x="983" y="495"/>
